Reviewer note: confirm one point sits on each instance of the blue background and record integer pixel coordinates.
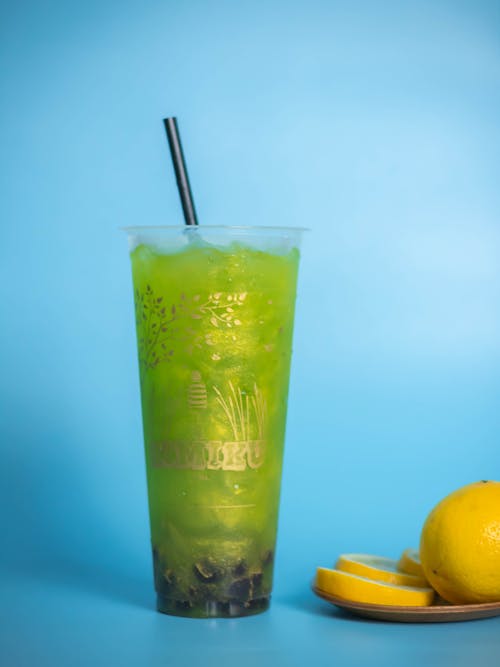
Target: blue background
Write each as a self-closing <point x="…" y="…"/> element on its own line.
<point x="376" y="125"/>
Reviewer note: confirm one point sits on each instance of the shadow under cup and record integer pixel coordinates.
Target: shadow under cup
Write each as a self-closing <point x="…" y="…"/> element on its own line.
<point x="214" y="311"/>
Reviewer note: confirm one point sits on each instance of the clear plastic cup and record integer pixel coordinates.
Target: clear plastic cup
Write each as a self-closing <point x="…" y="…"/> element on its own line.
<point x="214" y="313"/>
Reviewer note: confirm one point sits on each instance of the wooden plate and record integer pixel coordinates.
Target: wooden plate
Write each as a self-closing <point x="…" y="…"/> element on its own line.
<point x="436" y="613"/>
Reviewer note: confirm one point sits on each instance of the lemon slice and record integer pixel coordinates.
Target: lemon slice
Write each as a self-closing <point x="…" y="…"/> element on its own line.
<point x="378" y="568"/>
<point x="410" y="563"/>
<point x="360" y="589"/>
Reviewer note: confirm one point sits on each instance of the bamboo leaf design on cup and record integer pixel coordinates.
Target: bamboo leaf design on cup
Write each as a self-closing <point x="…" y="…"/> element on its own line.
<point x="246" y="414"/>
<point x="260" y="408"/>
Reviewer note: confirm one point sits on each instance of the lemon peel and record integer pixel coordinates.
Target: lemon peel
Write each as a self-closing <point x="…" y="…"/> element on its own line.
<point x="360" y="589"/>
<point x="460" y="544"/>
<point x="378" y="568"/>
<point x="410" y="563"/>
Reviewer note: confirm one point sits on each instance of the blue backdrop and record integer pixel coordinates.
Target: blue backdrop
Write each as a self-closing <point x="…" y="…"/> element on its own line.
<point x="376" y="125"/>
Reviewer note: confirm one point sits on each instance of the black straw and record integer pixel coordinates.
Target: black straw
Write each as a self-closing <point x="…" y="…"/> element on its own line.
<point x="181" y="174"/>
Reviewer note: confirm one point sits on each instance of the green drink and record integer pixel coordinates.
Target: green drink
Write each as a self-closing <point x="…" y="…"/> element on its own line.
<point x="214" y="313"/>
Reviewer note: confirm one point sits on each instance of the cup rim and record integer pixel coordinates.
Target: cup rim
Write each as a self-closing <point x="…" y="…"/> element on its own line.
<point x="134" y="229"/>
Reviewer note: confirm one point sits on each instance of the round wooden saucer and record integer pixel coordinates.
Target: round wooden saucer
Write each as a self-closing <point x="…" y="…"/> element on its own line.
<point x="436" y="613"/>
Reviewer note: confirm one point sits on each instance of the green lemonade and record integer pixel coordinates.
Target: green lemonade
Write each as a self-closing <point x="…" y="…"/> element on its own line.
<point x="214" y="334"/>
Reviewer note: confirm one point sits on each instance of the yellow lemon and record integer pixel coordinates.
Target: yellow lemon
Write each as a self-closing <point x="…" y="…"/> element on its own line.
<point x="410" y="563"/>
<point x="378" y="568"/>
<point x="460" y="544"/>
<point x="360" y="589"/>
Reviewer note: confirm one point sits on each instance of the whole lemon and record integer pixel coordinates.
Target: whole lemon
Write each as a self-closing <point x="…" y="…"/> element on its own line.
<point x="460" y="544"/>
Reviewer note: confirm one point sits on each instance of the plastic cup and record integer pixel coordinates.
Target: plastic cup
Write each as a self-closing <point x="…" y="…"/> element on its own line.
<point x="214" y="312"/>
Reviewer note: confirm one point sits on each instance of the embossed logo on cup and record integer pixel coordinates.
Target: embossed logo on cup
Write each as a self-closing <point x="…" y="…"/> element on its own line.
<point x="209" y="455"/>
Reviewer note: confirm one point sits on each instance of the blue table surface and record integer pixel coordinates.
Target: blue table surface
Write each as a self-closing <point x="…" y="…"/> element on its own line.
<point x="82" y="618"/>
